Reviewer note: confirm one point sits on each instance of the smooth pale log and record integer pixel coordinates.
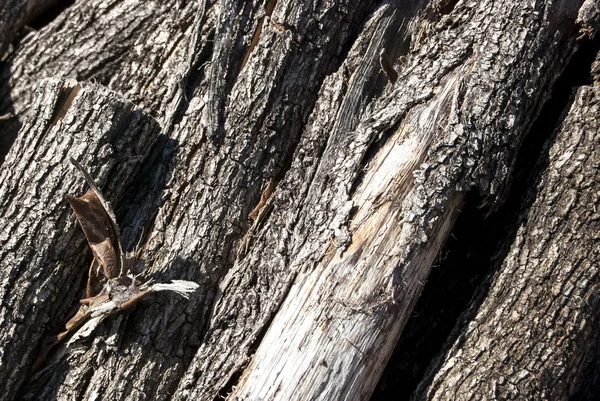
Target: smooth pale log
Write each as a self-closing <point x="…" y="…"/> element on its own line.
<point x="348" y="311"/>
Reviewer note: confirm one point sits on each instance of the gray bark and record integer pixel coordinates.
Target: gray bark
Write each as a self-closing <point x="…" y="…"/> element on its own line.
<point x="42" y="252"/>
<point x="14" y="15"/>
<point x="141" y="49"/>
<point x="400" y="222"/>
<point x="530" y="335"/>
<point x="307" y="301"/>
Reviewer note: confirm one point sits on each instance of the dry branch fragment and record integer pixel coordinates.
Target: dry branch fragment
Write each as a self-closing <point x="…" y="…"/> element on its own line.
<point x="264" y="197"/>
<point x="120" y="290"/>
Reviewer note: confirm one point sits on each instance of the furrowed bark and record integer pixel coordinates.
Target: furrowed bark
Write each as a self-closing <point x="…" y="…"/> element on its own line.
<point x="529" y="336"/>
<point x="371" y="175"/>
<point x="141" y="49"/>
<point x="253" y="290"/>
<point x="42" y="251"/>
<point x="587" y="385"/>
<point x="14" y="15"/>
<point x="217" y="176"/>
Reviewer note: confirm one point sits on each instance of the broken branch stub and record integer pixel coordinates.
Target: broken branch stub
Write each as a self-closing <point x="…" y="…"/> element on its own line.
<point x="119" y="290"/>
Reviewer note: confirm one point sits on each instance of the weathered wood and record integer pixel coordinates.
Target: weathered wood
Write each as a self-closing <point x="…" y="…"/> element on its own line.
<point x="42" y="252"/>
<point x="528" y="338"/>
<point x="14" y="14"/>
<point x="294" y="93"/>
<point x="217" y="178"/>
<point x="257" y="284"/>
<point x="587" y="386"/>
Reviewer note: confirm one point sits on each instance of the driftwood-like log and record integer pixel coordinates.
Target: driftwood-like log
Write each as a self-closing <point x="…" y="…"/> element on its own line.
<point x="42" y="252"/>
<point x="529" y="337"/>
<point x="364" y="124"/>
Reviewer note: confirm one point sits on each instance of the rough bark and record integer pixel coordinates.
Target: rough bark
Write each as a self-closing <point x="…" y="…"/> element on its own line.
<point x="142" y="49"/>
<point x="370" y="176"/>
<point x="42" y="253"/>
<point x="529" y="337"/>
<point x="14" y="14"/>
<point x="587" y="385"/>
<point x="209" y="183"/>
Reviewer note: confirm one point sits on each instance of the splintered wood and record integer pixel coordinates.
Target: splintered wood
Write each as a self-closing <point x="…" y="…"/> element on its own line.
<point x="367" y="304"/>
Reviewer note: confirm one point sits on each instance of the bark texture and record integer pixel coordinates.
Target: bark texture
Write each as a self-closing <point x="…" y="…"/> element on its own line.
<point x="529" y="337"/>
<point x="371" y="165"/>
<point x="14" y="14"/>
<point x="361" y="271"/>
<point x="42" y="252"/>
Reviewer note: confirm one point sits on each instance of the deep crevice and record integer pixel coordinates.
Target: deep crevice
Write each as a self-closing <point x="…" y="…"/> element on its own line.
<point x="227" y="388"/>
<point x="193" y="80"/>
<point x="445" y="7"/>
<point x="289" y="145"/>
<point x="41" y="19"/>
<point x="460" y="276"/>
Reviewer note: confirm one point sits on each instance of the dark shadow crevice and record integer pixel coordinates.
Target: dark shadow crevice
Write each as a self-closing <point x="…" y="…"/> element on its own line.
<point x="41" y="18"/>
<point x="9" y="122"/>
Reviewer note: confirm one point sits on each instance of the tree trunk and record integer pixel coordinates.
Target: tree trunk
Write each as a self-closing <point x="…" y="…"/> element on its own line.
<point x="362" y="124"/>
<point x="42" y="251"/>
